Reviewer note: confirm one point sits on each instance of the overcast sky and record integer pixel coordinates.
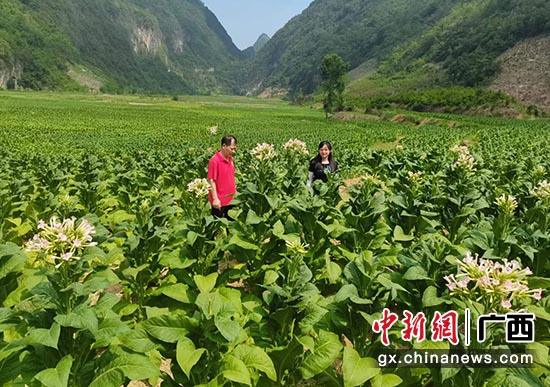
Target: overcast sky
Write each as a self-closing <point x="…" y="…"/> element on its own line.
<point x="246" y="20"/>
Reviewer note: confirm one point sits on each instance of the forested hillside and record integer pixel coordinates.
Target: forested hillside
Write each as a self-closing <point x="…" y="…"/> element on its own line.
<point x="403" y="43"/>
<point x="128" y="45"/>
<point x="179" y="46"/>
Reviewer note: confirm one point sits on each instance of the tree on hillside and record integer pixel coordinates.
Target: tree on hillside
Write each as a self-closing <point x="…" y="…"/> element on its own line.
<point x="333" y="70"/>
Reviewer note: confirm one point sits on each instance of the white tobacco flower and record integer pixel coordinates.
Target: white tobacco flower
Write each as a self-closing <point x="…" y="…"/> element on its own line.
<point x="460" y="149"/>
<point x="506" y="304"/>
<point x="542" y="190"/>
<point x="463" y="283"/>
<point x="213" y="130"/>
<point x="507" y="203"/>
<point x="414" y="177"/>
<point x="503" y="285"/>
<point x="264" y="151"/>
<point x="484" y="281"/>
<point x="465" y="160"/>
<point x="297" y="146"/>
<point x="200" y="187"/>
<point x="61" y="241"/>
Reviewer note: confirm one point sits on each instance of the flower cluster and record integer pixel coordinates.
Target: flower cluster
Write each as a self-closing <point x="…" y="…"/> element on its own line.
<point x="264" y="151"/>
<point x="200" y="187"/>
<point x="296" y="247"/>
<point x="213" y="130"/>
<point x="296" y="146"/>
<point x="542" y="190"/>
<point x="414" y="177"/>
<point x="540" y="171"/>
<point x="465" y="160"/>
<point x="61" y="241"/>
<point x="507" y="203"/>
<point x="495" y="284"/>
<point x="372" y="179"/>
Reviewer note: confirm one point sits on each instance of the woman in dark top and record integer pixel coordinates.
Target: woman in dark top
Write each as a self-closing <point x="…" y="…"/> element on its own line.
<point x="322" y="163"/>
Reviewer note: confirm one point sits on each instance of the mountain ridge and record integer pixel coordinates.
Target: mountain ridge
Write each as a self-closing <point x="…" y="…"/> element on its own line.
<point x="131" y="45"/>
<point x="395" y="45"/>
<point x="180" y="47"/>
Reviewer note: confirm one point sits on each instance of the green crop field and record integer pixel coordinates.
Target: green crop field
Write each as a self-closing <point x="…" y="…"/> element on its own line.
<point x="113" y="271"/>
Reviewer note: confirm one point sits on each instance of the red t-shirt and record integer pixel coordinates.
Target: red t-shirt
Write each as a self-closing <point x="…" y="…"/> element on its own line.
<point x="222" y="171"/>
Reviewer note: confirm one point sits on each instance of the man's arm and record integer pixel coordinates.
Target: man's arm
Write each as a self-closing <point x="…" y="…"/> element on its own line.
<point x="215" y="200"/>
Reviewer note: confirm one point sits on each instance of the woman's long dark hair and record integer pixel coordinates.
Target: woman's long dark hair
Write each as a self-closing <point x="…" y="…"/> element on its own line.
<point x="318" y="157"/>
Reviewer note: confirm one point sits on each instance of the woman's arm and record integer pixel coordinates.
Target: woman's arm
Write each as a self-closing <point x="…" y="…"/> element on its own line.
<point x="310" y="179"/>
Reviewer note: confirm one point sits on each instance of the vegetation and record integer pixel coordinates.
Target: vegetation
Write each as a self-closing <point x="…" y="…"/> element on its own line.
<point x="175" y="46"/>
<point x="456" y="43"/>
<point x="471" y="37"/>
<point x="333" y="70"/>
<point x="132" y="46"/>
<point x="143" y="284"/>
<point x="449" y="100"/>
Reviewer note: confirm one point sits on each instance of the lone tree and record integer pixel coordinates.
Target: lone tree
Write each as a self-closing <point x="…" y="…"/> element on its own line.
<point x="333" y="70"/>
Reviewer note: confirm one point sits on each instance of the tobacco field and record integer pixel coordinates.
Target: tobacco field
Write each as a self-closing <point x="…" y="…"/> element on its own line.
<point x="114" y="273"/>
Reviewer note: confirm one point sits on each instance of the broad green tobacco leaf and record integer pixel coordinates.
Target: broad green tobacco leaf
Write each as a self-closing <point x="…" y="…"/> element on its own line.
<point x="307" y="342"/>
<point x="327" y="349"/>
<point x="12" y="259"/>
<point x="229" y="328"/>
<point x="429" y="344"/>
<point x="109" y="330"/>
<point x="173" y="260"/>
<point x="540" y="353"/>
<point x="334" y="271"/>
<point x="58" y="376"/>
<point x="169" y="328"/>
<point x="313" y="314"/>
<point x="519" y="377"/>
<point x="386" y="281"/>
<point x="131" y="366"/>
<point x="357" y="370"/>
<point x="539" y="311"/>
<point x="256" y="358"/>
<point x="138" y="340"/>
<point x="187" y="356"/>
<point x="238" y="241"/>
<point x="430" y="298"/>
<point x="400" y="236"/>
<point x="350" y="292"/>
<point x="132" y="272"/>
<point x="47" y="337"/>
<point x="235" y="370"/>
<point x="178" y="292"/>
<point x="81" y="318"/>
<point x="386" y="380"/>
<point x="206" y="283"/>
<point x="8" y="319"/>
<point x="416" y="273"/>
<point x="253" y="218"/>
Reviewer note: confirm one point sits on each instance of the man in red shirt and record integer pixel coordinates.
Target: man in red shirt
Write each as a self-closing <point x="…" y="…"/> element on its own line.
<point x="221" y="176"/>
